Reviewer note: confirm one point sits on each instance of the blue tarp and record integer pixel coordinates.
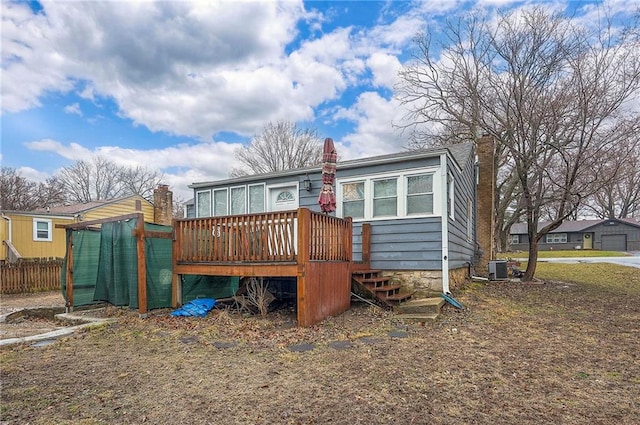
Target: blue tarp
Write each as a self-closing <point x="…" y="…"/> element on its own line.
<point x="197" y="308"/>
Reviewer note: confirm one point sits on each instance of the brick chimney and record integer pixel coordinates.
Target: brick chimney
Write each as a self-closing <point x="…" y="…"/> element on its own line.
<point x="485" y="205"/>
<point x="162" y="205"/>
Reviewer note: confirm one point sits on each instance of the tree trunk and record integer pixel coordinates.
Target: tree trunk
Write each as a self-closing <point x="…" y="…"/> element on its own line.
<point x="532" y="261"/>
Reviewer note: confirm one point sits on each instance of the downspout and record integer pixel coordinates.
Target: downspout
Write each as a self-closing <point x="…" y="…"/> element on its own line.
<point x="10" y="237"/>
<point x="9" y="233"/>
<point x="444" y="220"/>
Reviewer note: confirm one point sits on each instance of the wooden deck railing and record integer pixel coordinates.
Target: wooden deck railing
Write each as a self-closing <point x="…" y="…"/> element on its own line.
<point x="263" y="238"/>
<point x="330" y="238"/>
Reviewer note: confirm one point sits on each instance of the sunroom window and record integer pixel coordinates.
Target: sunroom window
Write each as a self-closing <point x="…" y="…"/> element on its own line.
<point x="385" y="197"/>
<point x="353" y="199"/>
<point x="420" y="194"/>
<point x="238" y="200"/>
<point x="256" y="198"/>
<point x="203" y="203"/>
<point x="220" y="202"/>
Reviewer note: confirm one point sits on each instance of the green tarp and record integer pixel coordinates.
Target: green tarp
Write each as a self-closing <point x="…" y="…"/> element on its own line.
<point x="105" y="268"/>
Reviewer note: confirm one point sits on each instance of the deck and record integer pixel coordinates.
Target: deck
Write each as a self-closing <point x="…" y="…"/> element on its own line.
<point x="313" y="247"/>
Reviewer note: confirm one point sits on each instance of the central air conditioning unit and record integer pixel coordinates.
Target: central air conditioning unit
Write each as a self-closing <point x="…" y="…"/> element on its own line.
<point x="498" y="270"/>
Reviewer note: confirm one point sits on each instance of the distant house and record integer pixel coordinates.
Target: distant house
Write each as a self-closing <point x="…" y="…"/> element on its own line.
<point x="33" y="234"/>
<point x="607" y="235"/>
<point x="190" y="208"/>
<point x="421" y="206"/>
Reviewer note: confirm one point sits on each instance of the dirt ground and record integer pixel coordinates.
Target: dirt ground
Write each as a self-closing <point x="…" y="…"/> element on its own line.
<point x="518" y="354"/>
<point x="28" y="326"/>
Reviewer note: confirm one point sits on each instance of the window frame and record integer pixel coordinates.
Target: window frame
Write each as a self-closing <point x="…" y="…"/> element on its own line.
<point x="556" y="238"/>
<point x="401" y="177"/>
<point x="197" y="203"/>
<point x="374" y="198"/>
<point x="407" y="195"/>
<point x="264" y="198"/>
<point x="363" y="200"/>
<point x="244" y="199"/>
<point x="213" y="201"/>
<point x="514" y="239"/>
<point x="49" y="224"/>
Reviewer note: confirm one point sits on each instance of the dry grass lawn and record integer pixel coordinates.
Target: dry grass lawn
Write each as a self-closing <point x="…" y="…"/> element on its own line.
<point x="564" y="351"/>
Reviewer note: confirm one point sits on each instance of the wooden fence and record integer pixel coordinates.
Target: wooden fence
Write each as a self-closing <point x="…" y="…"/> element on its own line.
<point x="30" y="275"/>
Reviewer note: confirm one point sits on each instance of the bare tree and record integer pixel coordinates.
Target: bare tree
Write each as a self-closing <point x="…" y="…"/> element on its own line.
<point x="87" y="181"/>
<point x="280" y="146"/>
<point x="139" y="180"/>
<point x="20" y="194"/>
<point x="619" y="194"/>
<point x="552" y="94"/>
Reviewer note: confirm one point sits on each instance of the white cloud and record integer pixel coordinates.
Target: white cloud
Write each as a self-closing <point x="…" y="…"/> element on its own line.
<point x="385" y="69"/>
<point x="375" y="134"/>
<point x="74" y="108"/>
<point x="32" y="174"/>
<point x="72" y="151"/>
<point x="196" y="162"/>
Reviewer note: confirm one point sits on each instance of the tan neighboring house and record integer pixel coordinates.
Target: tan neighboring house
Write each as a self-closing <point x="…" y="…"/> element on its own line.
<point x="36" y="234"/>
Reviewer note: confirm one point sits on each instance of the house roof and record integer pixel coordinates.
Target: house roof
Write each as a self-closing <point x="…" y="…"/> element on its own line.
<point x="459" y="153"/>
<point x="72" y="209"/>
<point x="570" y="226"/>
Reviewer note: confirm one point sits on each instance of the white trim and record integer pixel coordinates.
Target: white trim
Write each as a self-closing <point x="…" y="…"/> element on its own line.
<point x="451" y="196"/>
<point x="49" y="224"/>
<point x="445" y="226"/>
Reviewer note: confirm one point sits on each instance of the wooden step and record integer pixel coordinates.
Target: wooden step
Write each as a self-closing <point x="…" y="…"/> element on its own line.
<point x="366" y="272"/>
<point x="398" y="297"/>
<point x="387" y="287"/>
<point x="374" y="279"/>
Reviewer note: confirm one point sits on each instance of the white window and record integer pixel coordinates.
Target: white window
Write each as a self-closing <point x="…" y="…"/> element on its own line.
<point x="514" y="239"/>
<point x="385" y="197"/>
<point x="353" y="199"/>
<point x="203" y="203"/>
<point x="238" y="200"/>
<point x="220" y="202"/>
<point x="42" y="230"/>
<point x="420" y="194"/>
<point x="557" y="238"/>
<point x="256" y="198"/>
<point x="407" y="194"/>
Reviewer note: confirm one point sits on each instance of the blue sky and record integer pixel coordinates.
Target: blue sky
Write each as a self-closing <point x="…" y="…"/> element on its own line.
<point x="179" y="86"/>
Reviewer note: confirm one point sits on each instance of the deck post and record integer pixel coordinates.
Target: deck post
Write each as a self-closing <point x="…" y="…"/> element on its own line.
<point x="366" y="243"/>
<point x="176" y="278"/>
<point x="304" y="238"/>
<point x="348" y="240"/>
<point x="69" y="272"/>
<point x="142" y="265"/>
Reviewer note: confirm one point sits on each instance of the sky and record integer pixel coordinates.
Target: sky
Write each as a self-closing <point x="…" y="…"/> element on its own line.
<point x="179" y="86"/>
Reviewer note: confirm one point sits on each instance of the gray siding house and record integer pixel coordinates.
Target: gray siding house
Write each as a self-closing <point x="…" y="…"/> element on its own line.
<point x="420" y="204"/>
<point x="607" y="235"/>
